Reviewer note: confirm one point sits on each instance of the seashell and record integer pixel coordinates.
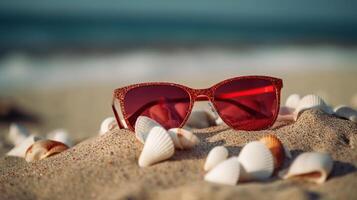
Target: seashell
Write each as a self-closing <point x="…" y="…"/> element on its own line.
<point x="60" y="135"/>
<point x="257" y="162"/>
<point x="312" y="166"/>
<point x="215" y="156"/>
<point x="44" y="148"/>
<point x="143" y="126"/>
<point x="184" y="139"/>
<point x="107" y="124"/>
<point x="346" y="113"/>
<point x="17" y="134"/>
<point x="226" y="172"/>
<point x="20" y="149"/>
<point x="201" y="119"/>
<point x="311" y="102"/>
<point x="276" y="148"/>
<point x="158" y="147"/>
<point x="293" y="101"/>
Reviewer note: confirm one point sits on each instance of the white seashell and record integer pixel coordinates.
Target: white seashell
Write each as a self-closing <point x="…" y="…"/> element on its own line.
<point x="107" y="124"/>
<point x="257" y="162"/>
<point x="346" y="113"/>
<point x="17" y="134"/>
<point x="143" y="126"/>
<point x="158" y="147"/>
<point x="227" y="172"/>
<point x="60" y="135"/>
<point x="201" y="119"/>
<point x="44" y="148"/>
<point x="215" y="156"/>
<point x="184" y="139"/>
<point x="312" y="166"/>
<point x="20" y="149"/>
<point x="311" y="102"/>
<point x="293" y="101"/>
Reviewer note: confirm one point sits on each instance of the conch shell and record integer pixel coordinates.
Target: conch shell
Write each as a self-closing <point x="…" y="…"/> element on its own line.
<point x="43" y="149"/>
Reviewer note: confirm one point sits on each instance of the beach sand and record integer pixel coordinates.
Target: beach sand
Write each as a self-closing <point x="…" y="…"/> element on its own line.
<point x="105" y="167"/>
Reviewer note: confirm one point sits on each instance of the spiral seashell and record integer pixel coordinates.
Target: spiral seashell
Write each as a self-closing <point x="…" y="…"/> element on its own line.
<point x="215" y="156"/>
<point x="276" y="148"/>
<point x="257" y="162"/>
<point x="226" y="172"/>
<point x="60" y="135"/>
<point x="346" y="113"/>
<point x="311" y="102"/>
<point x="311" y="166"/>
<point x="44" y="148"/>
<point x="108" y="124"/>
<point x="293" y="101"/>
<point x="185" y="139"/>
<point x="143" y="126"/>
<point x="158" y="147"/>
<point x="17" y="134"/>
<point x="20" y="149"/>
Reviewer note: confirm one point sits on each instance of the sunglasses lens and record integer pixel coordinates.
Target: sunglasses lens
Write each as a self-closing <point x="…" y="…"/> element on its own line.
<point x="247" y="104"/>
<point x="166" y="104"/>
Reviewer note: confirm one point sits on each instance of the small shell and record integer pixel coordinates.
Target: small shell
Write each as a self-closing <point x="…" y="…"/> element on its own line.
<point x="312" y="166"/>
<point x="20" y="149"/>
<point x="346" y="113"/>
<point x="60" y="135"/>
<point x="108" y="124"/>
<point x="185" y="139"/>
<point x="311" y="102"/>
<point x="17" y="134"/>
<point x="276" y="148"/>
<point x="293" y="101"/>
<point x="215" y="156"/>
<point x="158" y="147"/>
<point x="227" y="172"/>
<point x="43" y="149"/>
<point x="143" y="126"/>
<point x="257" y="162"/>
<point x="201" y="119"/>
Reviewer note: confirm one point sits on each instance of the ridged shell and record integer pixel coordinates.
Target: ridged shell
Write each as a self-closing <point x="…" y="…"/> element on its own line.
<point x="158" y="147"/>
<point x="293" y="101"/>
<point x="276" y="148"/>
<point x="20" y="149"/>
<point x="143" y="126"/>
<point x="311" y="166"/>
<point x="60" y="135"/>
<point x="185" y="138"/>
<point x="215" y="156"/>
<point x="227" y="172"/>
<point x="17" y="134"/>
<point x="311" y="102"/>
<point x="346" y="113"/>
<point x="257" y="162"/>
<point x="43" y="149"/>
<point x="107" y="124"/>
<point x="201" y="119"/>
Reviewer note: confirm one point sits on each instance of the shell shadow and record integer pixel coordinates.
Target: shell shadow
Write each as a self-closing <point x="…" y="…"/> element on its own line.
<point x="342" y="169"/>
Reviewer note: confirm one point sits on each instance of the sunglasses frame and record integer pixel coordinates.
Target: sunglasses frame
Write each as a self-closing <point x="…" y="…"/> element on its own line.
<point x="195" y="96"/>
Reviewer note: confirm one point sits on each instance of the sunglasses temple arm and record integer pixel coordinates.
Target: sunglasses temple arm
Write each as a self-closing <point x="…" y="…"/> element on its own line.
<point x="116" y="115"/>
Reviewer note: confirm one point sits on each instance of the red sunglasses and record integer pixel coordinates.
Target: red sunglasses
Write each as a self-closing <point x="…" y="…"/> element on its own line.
<point x="243" y="103"/>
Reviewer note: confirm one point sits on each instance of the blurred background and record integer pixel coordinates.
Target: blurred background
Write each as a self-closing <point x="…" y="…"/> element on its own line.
<point x="61" y="60"/>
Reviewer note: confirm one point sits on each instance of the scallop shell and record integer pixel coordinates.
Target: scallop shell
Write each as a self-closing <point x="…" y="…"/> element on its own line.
<point x="257" y="162"/>
<point x="311" y="166"/>
<point x="107" y="124"/>
<point x="293" y="101"/>
<point x="227" y="172"/>
<point x="44" y="148"/>
<point x="215" y="156"/>
<point x="143" y="126"/>
<point x="311" y="102"/>
<point x="276" y="148"/>
<point x="158" y="147"/>
<point x="201" y="119"/>
<point x="20" y="149"/>
<point x="17" y="134"/>
<point x="185" y="138"/>
<point x="346" y="113"/>
<point x="60" y="135"/>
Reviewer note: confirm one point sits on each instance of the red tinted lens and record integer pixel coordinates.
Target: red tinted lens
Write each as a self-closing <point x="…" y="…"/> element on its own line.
<point x="166" y="104"/>
<point x="247" y="104"/>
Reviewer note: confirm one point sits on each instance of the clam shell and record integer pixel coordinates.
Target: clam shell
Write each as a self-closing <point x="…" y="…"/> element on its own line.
<point x="107" y="124"/>
<point x="60" y="135"/>
<point x="158" y="147"/>
<point x="44" y="148"/>
<point x="185" y="138"/>
<point x="276" y="148"/>
<point x="17" y="134"/>
<point x="20" y="149"/>
<point x="293" y="101"/>
<point x="311" y="102"/>
<point x="227" y="172"/>
<point x="311" y="166"/>
<point x="143" y="126"/>
<point x="201" y="119"/>
<point x="257" y="162"/>
<point x="215" y="156"/>
<point x="346" y="113"/>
